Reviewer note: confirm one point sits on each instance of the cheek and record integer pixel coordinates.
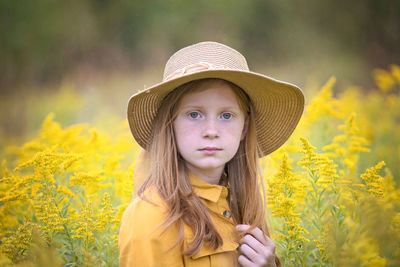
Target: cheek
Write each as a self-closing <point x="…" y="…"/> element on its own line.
<point x="237" y="130"/>
<point x="181" y="130"/>
<point x="183" y="135"/>
<point x="234" y="134"/>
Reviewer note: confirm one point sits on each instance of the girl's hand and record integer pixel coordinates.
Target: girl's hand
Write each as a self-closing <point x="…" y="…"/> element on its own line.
<point x="256" y="249"/>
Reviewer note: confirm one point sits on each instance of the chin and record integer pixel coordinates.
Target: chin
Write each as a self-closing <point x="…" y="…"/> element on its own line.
<point x="211" y="166"/>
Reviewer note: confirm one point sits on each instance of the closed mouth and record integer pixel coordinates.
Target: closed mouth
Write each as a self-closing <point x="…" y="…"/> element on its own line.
<point x="210" y="149"/>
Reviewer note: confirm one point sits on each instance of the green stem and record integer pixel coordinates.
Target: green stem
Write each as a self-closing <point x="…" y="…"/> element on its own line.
<point x="66" y="230"/>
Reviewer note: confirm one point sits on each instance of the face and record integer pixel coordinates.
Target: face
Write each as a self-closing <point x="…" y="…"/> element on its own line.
<point x="208" y="128"/>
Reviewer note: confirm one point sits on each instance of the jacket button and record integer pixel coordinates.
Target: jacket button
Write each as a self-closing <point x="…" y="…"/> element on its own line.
<point x="227" y="214"/>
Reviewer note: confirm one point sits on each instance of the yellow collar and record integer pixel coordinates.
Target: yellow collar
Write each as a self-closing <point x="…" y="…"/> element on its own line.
<point x="211" y="192"/>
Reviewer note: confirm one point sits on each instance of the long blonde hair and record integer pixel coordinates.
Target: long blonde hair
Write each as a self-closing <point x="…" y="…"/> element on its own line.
<point x="168" y="174"/>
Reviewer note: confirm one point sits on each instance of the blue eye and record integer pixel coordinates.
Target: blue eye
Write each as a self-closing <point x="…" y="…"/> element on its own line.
<point x="194" y="115"/>
<point x="227" y="116"/>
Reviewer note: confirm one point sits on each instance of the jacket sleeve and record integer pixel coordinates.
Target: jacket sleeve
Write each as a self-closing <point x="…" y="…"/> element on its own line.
<point x="142" y="241"/>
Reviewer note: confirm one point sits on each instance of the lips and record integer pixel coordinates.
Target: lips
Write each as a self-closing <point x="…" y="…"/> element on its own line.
<point x="210" y="149"/>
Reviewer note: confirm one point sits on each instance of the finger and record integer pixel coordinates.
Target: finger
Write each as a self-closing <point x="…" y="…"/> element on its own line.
<point x="249" y="252"/>
<point x="270" y="244"/>
<point x="256" y="232"/>
<point x="245" y="262"/>
<point x="264" y="253"/>
<point x="253" y="243"/>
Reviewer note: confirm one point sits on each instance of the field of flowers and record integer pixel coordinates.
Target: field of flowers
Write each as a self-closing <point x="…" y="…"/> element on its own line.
<point x="333" y="189"/>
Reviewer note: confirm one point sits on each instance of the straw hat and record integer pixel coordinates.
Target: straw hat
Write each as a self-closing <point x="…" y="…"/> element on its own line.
<point x="278" y="104"/>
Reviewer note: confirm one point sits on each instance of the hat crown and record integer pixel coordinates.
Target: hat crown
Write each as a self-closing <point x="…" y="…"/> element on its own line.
<point x="213" y="53"/>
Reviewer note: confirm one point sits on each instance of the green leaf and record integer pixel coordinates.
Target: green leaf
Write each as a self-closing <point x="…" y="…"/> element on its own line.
<point x="64" y="209"/>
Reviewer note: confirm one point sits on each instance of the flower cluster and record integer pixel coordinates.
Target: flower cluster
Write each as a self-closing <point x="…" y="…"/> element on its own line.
<point x="350" y="217"/>
<point x="69" y="187"/>
<point x="333" y="188"/>
<point x="284" y="191"/>
<point x="373" y="180"/>
<point x="387" y="80"/>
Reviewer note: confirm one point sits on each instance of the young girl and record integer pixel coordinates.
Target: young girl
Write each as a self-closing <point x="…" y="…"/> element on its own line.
<point x="204" y="128"/>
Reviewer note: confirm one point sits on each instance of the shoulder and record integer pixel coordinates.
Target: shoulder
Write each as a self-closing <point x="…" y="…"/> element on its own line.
<point x="145" y="213"/>
<point x="143" y="238"/>
<point x="143" y="222"/>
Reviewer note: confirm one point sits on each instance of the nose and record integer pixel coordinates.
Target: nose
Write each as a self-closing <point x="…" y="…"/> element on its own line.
<point x="211" y="129"/>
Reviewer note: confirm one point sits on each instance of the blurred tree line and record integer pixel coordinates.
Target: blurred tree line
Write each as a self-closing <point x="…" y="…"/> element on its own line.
<point x="43" y="39"/>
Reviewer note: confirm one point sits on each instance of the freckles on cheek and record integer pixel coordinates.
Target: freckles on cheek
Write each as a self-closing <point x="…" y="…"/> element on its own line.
<point x="182" y="131"/>
<point x="235" y="131"/>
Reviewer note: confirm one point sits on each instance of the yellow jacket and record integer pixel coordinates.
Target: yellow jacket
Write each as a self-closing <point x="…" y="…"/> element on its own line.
<point x="140" y="242"/>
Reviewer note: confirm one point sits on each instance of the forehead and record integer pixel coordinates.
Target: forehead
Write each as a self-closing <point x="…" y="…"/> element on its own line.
<point x="211" y="92"/>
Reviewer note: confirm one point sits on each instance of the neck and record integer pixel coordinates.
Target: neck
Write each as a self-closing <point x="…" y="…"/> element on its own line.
<point x="209" y="176"/>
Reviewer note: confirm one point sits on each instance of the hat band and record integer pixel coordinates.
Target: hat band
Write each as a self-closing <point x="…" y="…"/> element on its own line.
<point x="200" y="66"/>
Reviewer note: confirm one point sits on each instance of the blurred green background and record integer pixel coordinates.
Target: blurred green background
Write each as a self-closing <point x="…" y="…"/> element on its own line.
<point x="80" y="55"/>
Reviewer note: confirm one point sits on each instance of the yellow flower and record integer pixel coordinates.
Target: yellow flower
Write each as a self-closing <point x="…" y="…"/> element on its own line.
<point x="16" y="244"/>
<point x="348" y="144"/>
<point x="35" y="188"/>
<point x="361" y="186"/>
<point x="384" y="80"/>
<point x="282" y="191"/>
<point x="322" y="105"/>
<point x="330" y="147"/>
<point x="65" y="190"/>
<point x="111" y="162"/>
<point x="39" y="187"/>
<point x="91" y="181"/>
<point x="48" y="212"/>
<point x="106" y="214"/>
<point x="320" y="167"/>
<point x="395" y="71"/>
<point x="373" y="180"/>
<point x="308" y="151"/>
<point x="86" y="224"/>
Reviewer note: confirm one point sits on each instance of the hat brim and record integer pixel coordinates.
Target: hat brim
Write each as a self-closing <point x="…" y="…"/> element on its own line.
<point x="278" y="105"/>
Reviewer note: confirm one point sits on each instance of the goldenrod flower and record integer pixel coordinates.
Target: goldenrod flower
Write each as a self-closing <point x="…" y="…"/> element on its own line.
<point x="373" y="180"/>
<point x="65" y="190"/>
<point x="86" y="224"/>
<point x="323" y="104"/>
<point x="15" y="245"/>
<point x="48" y="213"/>
<point x="283" y="190"/>
<point x="384" y="80"/>
<point x="395" y="71"/>
<point x="106" y="214"/>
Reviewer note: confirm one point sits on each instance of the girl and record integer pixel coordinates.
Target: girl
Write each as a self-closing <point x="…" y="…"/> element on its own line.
<point x="204" y="127"/>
